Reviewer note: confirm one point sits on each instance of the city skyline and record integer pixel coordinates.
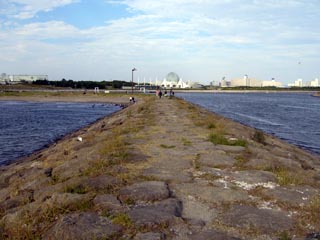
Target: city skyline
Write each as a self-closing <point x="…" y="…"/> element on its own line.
<point x="201" y="40"/>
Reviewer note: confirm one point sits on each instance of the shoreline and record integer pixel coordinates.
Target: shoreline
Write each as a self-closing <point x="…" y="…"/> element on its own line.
<point x="137" y="176"/>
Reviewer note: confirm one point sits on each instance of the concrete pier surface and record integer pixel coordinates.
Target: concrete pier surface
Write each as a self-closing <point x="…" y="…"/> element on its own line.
<point x="162" y="169"/>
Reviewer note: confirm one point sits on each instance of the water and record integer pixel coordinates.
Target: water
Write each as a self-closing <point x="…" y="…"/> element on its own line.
<point x="29" y="126"/>
<point x="293" y="117"/>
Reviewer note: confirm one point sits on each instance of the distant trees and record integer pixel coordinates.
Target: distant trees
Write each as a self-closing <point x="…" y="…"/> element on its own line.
<point x="115" y="84"/>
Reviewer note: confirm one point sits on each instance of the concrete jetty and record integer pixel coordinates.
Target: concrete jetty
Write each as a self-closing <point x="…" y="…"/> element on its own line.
<point x="163" y="169"/>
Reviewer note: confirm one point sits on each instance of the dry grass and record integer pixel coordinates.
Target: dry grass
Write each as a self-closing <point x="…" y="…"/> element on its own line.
<point x="195" y="161"/>
<point x="286" y="178"/>
<point x="259" y="137"/>
<point x="186" y="142"/>
<point x="31" y="225"/>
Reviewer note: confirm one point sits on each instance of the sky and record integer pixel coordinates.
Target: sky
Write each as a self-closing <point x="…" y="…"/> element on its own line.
<point x="200" y="40"/>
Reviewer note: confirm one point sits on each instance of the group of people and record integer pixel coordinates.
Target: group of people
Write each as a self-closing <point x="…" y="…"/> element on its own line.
<point x="159" y="93"/>
<point x="132" y="100"/>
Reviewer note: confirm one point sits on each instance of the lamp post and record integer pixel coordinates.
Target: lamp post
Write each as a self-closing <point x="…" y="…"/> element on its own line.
<point x="133" y="69"/>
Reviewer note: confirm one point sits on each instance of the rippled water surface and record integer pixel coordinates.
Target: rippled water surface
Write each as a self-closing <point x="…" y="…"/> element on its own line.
<point x="29" y="126"/>
<point x="294" y="117"/>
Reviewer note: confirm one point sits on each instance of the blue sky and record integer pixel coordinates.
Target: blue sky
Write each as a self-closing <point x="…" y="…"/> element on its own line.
<point x="201" y="40"/>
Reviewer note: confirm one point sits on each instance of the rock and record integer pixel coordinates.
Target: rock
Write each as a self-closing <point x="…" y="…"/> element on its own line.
<point x="47" y="191"/>
<point x="83" y="226"/>
<point x="258" y="163"/>
<point x="14" y="218"/>
<point x="289" y="163"/>
<point x="8" y="204"/>
<point x="102" y="182"/>
<point x="4" y="194"/>
<point x="210" y="194"/>
<point x="107" y="202"/>
<point x="67" y="200"/>
<point x="294" y="195"/>
<point x="167" y="174"/>
<point x="216" y="159"/>
<point x="145" y="191"/>
<point x="212" y="235"/>
<point x="4" y="179"/>
<point x="150" y="216"/>
<point x="232" y="149"/>
<point x="197" y="211"/>
<point x="263" y="220"/>
<point x="313" y="236"/>
<point x="149" y="236"/>
<point x="70" y="168"/>
<point x="254" y="178"/>
<point x="25" y="175"/>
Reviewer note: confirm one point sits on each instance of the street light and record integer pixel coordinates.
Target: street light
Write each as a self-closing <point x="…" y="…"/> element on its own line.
<point x="133" y="69"/>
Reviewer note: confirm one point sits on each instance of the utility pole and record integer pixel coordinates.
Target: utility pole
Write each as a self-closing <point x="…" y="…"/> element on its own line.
<point x="133" y="69"/>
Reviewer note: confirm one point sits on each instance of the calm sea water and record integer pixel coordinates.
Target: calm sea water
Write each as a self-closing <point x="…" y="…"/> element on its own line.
<point x="293" y="117"/>
<point x="29" y="126"/>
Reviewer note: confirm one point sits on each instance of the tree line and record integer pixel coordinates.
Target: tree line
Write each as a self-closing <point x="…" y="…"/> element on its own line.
<point x="115" y="84"/>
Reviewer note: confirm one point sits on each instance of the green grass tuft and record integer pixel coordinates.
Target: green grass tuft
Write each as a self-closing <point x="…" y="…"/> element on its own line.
<point x="258" y="136"/>
<point x="167" y="146"/>
<point x="123" y="220"/>
<point x="186" y="142"/>
<point x="221" y="140"/>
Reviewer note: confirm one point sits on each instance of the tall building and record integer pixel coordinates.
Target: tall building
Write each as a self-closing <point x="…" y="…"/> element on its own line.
<point x="297" y="83"/>
<point x="313" y="83"/>
<point x="245" y="82"/>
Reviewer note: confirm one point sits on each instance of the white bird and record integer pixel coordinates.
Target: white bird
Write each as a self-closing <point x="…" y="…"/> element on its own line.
<point x="79" y="139"/>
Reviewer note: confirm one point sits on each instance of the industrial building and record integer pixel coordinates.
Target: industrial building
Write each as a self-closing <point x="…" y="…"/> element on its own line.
<point x="20" y="78"/>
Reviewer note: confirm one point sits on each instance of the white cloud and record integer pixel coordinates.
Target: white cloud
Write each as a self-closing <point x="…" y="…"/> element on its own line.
<point x="25" y="9"/>
<point x="47" y="30"/>
<point x="201" y="40"/>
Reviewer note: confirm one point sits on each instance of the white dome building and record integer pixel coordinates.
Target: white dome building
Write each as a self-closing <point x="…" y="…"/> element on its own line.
<point x="172" y="80"/>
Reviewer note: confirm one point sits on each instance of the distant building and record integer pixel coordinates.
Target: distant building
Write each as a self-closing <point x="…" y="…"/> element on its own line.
<point x="4" y="78"/>
<point x="245" y="82"/>
<point x="196" y="85"/>
<point x="271" y="83"/>
<point x="172" y="80"/>
<point x="28" y="78"/>
<point x="297" y="83"/>
<point x="15" y="79"/>
<point x="225" y="83"/>
<point x="313" y="83"/>
<point x="214" y="83"/>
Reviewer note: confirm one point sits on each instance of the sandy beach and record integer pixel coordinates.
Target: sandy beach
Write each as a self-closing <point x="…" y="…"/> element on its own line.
<point x="161" y="169"/>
